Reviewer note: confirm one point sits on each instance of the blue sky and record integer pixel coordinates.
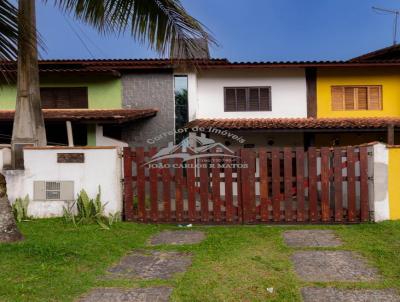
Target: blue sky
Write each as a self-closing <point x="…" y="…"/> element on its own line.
<point x="246" y="30"/>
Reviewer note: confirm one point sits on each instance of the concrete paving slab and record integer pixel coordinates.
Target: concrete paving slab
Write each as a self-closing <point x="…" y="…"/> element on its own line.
<point x="311" y="238"/>
<point x="144" y="264"/>
<point x="328" y="266"/>
<point x="330" y="294"/>
<point x="177" y="237"/>
<point x="150" y="294"/>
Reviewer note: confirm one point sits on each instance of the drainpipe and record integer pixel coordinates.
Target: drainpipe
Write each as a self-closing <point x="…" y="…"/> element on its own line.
<point x="70" y="134"/>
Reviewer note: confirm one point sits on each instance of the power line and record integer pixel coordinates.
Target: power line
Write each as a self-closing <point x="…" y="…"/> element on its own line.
<point x="79" y="38"/>
<point x="91" y="41"/>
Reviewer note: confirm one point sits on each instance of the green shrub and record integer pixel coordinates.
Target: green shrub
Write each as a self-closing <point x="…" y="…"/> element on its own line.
<point x="90" y="211"/>
<point x="20" y="208"/>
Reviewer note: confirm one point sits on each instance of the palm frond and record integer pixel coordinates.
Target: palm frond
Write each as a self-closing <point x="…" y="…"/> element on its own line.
<point x="164" y="24"/>
<point x="8" y="38"/>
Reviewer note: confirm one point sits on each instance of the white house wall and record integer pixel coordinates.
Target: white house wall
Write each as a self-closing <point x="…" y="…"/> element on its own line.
<point x="101" y="167"/>
<point x="288" y="91"/>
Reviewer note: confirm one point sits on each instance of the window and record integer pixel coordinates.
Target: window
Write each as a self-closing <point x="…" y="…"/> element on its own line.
<point x="356" y="98"/>
<point x="247" y="99"/>
<point x="181" y="105"/>
<point x="64" y="97"/>
<point x="53" y="190"/>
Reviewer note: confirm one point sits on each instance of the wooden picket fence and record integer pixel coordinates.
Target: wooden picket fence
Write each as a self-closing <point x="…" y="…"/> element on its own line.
<point x="274" y="185"/>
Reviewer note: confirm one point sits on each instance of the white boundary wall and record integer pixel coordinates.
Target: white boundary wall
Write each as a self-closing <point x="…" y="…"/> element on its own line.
<point x="102" y="167"/>
<point x="381" y="192"/>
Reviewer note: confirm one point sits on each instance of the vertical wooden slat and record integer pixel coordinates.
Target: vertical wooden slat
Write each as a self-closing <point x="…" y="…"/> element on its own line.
<point x="128" y="189"/>
<point x="141" y="184"/>
<point x="351" y="184"/>
<point x="325" y="208"/>
<point x="300" y="183"/>
<point x="239" y="187"/>
<point x="216" y="189"/>
<point x="252" y="185"/>
<point x="338" y="176"/>
<point x="276" y="183"/>
<point x="312" y="184"/>
<point x="263" y="168"/>
<point x="178" y="189"/>
<point x="364" y="184"/>
<point x="166" y="179"/>
<point x="228" y="188"/>
<point x="287" y="157"/>
<point x="204" y="189"/>
<point x="191" y="186"/>
<point x="245" y="175"/>
<point x="153" y="175"/>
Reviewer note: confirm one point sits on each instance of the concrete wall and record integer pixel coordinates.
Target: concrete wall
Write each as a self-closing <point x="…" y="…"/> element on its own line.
<point x="288" y="89"/>
<point x="386" y="182"/>
<point x="102" y="167"/>
<point x="149" y="90"/>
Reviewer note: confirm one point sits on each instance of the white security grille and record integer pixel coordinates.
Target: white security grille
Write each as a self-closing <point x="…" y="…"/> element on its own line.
<point x="53" y="190"/>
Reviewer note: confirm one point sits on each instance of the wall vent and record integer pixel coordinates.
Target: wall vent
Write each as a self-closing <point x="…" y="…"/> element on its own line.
<point x="53" y="190"/>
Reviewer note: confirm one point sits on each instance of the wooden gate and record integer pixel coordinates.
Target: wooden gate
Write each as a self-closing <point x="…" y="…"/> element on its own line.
<point x="274" y="185"/>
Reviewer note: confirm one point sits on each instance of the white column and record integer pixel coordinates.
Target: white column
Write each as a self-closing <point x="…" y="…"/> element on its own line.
<point x="381" y="192"/>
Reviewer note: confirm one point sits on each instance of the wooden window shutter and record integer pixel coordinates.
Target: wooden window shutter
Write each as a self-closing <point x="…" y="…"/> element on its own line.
<point x="265" y="99"/>
<point x="362" y="98"/>
<point x="64" y="97"/>
<point x="349" y="98"/>
<point x="241" y="99"/>
<point x="230" y="99"/>
<point x="254" y="99"/>
<point x="337" y="98"/>
<point x="247" y="99"/>
<point x="375" y="98"/>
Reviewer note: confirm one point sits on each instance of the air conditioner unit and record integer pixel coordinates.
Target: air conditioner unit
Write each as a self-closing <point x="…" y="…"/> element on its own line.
<point x="53" y="190"/>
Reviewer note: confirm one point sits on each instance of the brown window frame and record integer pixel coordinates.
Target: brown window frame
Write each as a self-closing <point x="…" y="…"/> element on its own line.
<point x="247" y="93"/>
<point x="356" y="105"/>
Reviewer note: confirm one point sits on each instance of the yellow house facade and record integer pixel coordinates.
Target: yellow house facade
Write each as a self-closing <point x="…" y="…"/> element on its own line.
<point x="387" y="78"/>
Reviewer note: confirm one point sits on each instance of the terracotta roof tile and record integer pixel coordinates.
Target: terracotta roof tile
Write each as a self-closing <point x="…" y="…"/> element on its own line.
<point x="296" y="123"/>
<point x="113" y="115"/>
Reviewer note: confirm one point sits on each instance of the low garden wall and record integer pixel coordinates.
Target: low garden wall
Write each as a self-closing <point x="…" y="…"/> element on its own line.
<point x="90" y="167"/>
<point x="76" y="168"/>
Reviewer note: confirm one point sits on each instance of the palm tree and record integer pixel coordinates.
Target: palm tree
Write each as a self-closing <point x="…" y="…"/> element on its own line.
<point x="163" y="24"/>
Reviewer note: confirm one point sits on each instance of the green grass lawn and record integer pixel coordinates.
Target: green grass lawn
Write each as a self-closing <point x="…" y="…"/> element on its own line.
<point x="58" y="262"/>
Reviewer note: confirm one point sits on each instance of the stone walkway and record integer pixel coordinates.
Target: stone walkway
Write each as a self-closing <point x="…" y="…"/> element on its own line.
<point x="332" y="266"/>
<point x="148" y="265"/>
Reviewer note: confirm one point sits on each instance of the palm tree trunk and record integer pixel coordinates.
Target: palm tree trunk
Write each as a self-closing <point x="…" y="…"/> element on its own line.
<point x="8" y="228"/>
<point x="29" y="126"/>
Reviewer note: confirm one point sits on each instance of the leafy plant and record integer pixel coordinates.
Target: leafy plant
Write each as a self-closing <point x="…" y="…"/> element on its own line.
<point x="68" y="213"/>
<point x="20" y="208"/>
<point x="113" y="218"/>
<point x="90" y="211"/>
